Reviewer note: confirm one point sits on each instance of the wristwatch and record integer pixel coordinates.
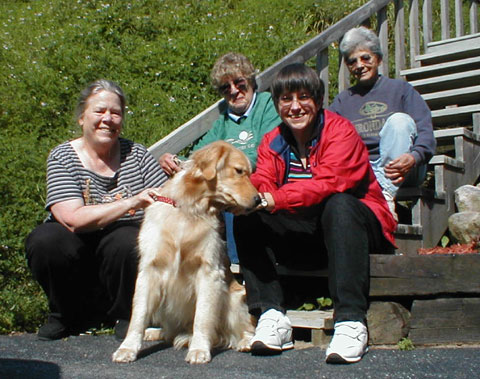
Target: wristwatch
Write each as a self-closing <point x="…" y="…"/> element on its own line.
<point x="263" y="202"/>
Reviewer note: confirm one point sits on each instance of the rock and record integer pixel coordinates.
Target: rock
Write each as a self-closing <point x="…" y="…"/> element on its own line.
<point x="465" y="226"/>
<point x="388" y="323"/>
<point x="467" y="198"/>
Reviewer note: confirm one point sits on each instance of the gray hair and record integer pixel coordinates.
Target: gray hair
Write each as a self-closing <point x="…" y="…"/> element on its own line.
<point x="94" y="88"/>
<point x="232" y="64"/>
<point x="360" y="38"/>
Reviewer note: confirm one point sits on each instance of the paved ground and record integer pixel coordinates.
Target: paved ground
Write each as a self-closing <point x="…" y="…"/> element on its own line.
<point x="23" y="356"/>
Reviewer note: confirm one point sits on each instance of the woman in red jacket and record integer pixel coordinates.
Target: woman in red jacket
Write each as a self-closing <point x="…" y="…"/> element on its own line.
<point x="320" y="198"/>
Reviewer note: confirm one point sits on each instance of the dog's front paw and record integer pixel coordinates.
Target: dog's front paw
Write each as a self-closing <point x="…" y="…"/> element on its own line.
<point x="197" y="356"/>
<point x="244" y="344"/>
<point x="123" y="355"/>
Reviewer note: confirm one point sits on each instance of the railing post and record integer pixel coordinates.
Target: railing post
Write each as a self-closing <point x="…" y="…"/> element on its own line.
<point x="427" y="24"/>
<point x="322" y="69"/>
<point x="383" y="36"/>
<point x="458" y="18"/>
<point x="399" y="37"/>
<point x="414" y="34"/>
<point x="445" y="18"/>
<point x="473" y="16"/>
<point x="343" y="74"/>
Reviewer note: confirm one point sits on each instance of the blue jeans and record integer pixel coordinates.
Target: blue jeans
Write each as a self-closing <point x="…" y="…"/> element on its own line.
<point x="396" y="138"/>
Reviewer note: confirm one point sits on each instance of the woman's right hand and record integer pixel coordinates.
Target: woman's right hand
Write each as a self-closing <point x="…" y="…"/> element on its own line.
<point x="169" y="163"/>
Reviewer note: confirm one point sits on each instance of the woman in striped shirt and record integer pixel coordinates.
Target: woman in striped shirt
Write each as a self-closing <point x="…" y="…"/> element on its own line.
<point x="84" y="255"/>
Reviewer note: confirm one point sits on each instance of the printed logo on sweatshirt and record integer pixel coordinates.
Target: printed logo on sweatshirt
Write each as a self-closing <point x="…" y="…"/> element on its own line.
<point x="243" y="138"/>
<point x="373" y="108"/>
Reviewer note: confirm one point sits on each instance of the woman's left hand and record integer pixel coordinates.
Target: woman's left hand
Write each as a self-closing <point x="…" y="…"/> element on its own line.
<point x="397" y="169"/>
<point x="268" y="204"/>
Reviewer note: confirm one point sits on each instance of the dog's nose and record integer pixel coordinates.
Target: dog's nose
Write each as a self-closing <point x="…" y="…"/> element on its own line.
<point x="258" y="200"/>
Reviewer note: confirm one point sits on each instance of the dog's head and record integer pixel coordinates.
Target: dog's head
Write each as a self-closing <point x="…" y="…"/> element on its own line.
<point x="224" y="171"/>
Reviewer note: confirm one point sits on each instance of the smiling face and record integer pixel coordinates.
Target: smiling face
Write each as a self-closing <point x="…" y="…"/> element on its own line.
<point x="363" y="65"/>
<point x="102" y="118"/>
<point x="298" y="111"/>
<point x="237" y="92"/>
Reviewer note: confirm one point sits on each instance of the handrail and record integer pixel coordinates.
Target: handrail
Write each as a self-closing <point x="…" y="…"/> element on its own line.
<point x="319" y="46"/>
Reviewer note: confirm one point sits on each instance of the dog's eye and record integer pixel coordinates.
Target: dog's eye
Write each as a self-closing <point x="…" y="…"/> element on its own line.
<point x="239" y="170"/>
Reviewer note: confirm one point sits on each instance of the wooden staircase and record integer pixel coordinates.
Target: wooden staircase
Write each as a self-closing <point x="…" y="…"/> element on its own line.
<point x="447" y="75"/>
<point x="449" y="81"/>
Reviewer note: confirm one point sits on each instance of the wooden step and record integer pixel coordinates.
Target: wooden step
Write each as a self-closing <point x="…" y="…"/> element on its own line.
<point x="311" y="319"/>
<point x="441" y="69"/>
<point x="455" y="132"/>
<point x="453" y="44"/>
<point x="457" y="97"/>
<point x="446" y="55"/>
<point x="447" y="82"/>
<point x="454" y="116"/>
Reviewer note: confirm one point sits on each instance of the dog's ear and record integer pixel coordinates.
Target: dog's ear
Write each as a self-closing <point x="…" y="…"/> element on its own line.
<point x="211" y="158"/>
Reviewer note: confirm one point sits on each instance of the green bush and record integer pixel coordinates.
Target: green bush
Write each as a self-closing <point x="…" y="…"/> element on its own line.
<point x="160" y="52"/>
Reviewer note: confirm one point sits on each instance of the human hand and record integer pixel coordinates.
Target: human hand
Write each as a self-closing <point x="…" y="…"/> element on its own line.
<point x="145" y="198"/>
<point x="397" y="169"/>
<point x="267" y="201"/>
<point x="169" y="163"/>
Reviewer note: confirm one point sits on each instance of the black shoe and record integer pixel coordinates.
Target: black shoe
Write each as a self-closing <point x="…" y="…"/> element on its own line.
<point x="120" y="328"/>
<point x="54" y="329"/>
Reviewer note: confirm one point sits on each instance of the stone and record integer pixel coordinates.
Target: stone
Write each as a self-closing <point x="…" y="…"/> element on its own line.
<point x="467" y="198"/>
<point x="388" y="323"/>
<point x="465" y="226"/>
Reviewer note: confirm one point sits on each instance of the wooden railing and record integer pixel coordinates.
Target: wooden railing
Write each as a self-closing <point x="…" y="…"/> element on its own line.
<point x="372" y="13"/>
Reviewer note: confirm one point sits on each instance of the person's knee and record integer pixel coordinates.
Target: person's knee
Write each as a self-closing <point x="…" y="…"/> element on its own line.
<point x="400" y="124"/>
<point x="338" y="210"/>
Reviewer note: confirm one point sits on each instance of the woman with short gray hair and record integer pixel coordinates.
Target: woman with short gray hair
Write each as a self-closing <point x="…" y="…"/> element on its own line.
<point x="389" y="114"/>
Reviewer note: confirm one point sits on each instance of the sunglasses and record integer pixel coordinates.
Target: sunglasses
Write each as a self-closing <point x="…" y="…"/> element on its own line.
<point x="240" y="83"/>
<point x="365" y="59"/>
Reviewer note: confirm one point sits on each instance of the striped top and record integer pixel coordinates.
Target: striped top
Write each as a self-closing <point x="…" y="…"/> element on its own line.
<point x="68" y="179"/>
<point x="296" y="171"/>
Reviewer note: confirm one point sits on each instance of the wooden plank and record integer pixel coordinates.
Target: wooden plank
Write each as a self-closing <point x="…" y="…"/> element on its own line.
<point x="454" y="132"/>
<point x="447" y="82"/>
<point x="473" y="17"/>
<point x="311" y="319"/>
<point x="445" y="19"/>
<point x="393" y="275"/>
<point x="459" y="30"/>
<point x="448" y="320"/>
<point x="322" y="69"/>
<point x="458" y="96"/>
<point x="445" y="160"/>
<point x="382" y="20"/>
<point x="427" y="24"/>
<point x="450" y="53"/>
<point x="455" y="116"/>
<point x="414" y="33"/>
<point x="441" y="68"/>
<point x="462" y="41"/>
<point x="399" y="37"/>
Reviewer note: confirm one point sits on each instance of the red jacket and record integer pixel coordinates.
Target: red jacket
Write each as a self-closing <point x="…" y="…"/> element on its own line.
<point x="339" y="163"/>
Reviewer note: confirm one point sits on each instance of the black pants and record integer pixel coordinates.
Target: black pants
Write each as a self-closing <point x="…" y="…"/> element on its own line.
<point x="342" y="230"/>
<point x="86" y="276"/>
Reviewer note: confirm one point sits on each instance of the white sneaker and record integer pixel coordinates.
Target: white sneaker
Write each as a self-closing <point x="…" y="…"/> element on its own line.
<point x="391" y="204"/>
<point x="273" y="334"/>
<point x="349" y="342"/>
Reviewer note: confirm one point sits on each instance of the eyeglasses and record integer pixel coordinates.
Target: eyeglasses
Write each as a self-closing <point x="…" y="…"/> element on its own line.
<point x="287" y="100"/>
<point x="365" y="59"/>
<point x="240" y="83"/>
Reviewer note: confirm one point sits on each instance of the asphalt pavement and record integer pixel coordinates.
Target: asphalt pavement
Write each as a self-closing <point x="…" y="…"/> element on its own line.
<point x="23" y="356"/>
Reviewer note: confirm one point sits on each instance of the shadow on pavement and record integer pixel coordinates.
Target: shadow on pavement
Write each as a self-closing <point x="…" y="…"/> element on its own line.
<point x="25" y="369"/>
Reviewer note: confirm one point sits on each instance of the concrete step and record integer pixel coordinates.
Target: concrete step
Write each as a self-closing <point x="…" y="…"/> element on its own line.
<point x="441" y="69"/>
<point x="468" y="50"/>
<point x="454" y="116"/>
<point x="447" y="82"/>
<point x="455" y="97"/>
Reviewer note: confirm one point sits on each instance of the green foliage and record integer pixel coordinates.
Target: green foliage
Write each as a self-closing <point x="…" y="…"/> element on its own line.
<point x="160" y="52"/>
<point x="322" y="304"/>
<point x="405" y="344"/>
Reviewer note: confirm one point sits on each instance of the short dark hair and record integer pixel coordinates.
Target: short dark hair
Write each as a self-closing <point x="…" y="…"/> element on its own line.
<point x="296" y="77"/>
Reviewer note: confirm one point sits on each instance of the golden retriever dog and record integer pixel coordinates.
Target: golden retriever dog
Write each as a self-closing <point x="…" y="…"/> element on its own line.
<point x="184" y="281"/>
